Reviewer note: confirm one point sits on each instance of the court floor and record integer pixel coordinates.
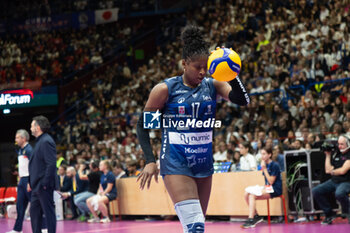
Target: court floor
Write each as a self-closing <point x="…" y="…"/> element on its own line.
<point x="339" y="226"/>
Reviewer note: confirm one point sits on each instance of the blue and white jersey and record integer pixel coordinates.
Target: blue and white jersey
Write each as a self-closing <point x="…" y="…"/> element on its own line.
<point x="187" y="131"/>
<point x="24" y="155"/>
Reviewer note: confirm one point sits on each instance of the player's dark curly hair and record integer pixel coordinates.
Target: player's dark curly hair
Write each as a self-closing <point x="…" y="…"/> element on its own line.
<point x="194" y="44"/>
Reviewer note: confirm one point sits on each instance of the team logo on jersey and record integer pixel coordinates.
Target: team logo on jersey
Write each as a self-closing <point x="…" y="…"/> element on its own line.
<point x="209" y="112"/>
<point x="200" y="138"/>
<point x="181" y="91"/>
<point x="182" y="110"/>
<point x="151" y="120"/>
<point x="206" y="98"/>
<point x="191" y="161"/>
<point x="181" y="100"/>
<point x="195" y="95"/>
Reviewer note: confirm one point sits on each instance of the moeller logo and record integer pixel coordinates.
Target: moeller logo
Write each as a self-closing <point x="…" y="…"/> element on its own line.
<point x="12" y="97"/>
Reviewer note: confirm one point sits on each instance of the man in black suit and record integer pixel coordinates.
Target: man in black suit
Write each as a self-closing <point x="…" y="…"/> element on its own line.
<point x="65" y="183"/>
<point x="42" y="176"/>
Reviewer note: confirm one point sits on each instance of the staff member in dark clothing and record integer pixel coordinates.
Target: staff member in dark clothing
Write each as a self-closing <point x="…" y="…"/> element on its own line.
<point x="65" y="183"/>
<point x="42" y="176"/>
<point x="338" y="165"/>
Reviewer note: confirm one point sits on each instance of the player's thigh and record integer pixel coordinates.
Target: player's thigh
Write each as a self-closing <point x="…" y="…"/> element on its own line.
<point x="181" y="187"/>
<point x="204" y="189"/>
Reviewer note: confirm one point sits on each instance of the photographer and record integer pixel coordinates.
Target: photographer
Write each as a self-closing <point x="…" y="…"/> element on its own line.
<point x="337" y="164"/>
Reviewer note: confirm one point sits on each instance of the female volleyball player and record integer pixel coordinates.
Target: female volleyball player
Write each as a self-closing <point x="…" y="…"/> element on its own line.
<point x="186" y="159"/>
<point x="273" y="187"/>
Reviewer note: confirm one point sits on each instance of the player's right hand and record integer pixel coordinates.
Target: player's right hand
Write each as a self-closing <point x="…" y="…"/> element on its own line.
<point x="29" y="188"/>
<point x="145" y="176"/>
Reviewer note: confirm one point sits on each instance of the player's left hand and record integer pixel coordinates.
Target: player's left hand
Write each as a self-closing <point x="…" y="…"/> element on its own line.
<point x="145" y="176"/>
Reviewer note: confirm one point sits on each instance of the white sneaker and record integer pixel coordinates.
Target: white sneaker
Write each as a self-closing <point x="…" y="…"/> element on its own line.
<point x="43" y="230"/>
<point x="105" y="220"/>
<point x="13" y="231"/>
<point x="93" y="220"/>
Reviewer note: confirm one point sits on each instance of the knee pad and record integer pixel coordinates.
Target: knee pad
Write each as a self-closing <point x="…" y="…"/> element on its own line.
<point x="190" y="215"/>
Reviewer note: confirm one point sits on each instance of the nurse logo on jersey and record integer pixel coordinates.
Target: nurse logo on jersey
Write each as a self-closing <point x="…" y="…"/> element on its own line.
<point x="151" y="120"/>
<point x="182" y="110"/>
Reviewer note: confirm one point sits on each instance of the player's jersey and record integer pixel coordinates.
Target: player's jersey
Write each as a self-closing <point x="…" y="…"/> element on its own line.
<point x="187" y="130"/>
<point x="24" y="155"/>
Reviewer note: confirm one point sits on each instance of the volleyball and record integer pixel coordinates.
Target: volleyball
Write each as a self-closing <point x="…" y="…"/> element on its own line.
<point x="224" y="64"/>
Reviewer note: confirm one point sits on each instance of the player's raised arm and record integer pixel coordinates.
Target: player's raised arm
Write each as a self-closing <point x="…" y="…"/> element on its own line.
<point x="233" y="91"/>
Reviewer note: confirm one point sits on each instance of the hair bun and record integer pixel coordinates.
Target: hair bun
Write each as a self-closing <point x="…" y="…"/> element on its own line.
<point x="193" y="42"/>
<point x="191" y="34"/>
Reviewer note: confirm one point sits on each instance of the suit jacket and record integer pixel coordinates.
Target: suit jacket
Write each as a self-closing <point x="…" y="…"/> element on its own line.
<point x="67" y="183"/>
<point x="81" y="185"/>
<point x="42" y="165"/>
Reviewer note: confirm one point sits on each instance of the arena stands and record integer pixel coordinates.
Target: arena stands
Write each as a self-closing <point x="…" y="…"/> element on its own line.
<point x="295" y="69"/>
<point x="295" y="65"/>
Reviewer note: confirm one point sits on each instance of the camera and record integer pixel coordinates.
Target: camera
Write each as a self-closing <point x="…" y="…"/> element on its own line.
<point x="327" y="146"/>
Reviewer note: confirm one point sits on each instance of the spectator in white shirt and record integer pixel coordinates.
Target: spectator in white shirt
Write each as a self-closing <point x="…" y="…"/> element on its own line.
<point x="247" y="161"/>
<point x="221" y="155"/>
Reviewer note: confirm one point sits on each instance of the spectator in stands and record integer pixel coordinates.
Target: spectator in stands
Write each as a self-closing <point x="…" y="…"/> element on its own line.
<point x="221" y="154"/>
<point x="282" y="128"/>
<point x="141" y="164"/>
<point x="272" y="188"/>
<point x="93" y="176"/>
<point x="278" y="156"/>
<point x="229" y="155"/>
<point x="60" y="160"/>
<point x="107" y="192"/>
<point x="247" y="161"/>
<point x="235" y="161"/>
<point x="118" y="170"/>
<point x="132" y="168"/>
<point x="96" y="59"/>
